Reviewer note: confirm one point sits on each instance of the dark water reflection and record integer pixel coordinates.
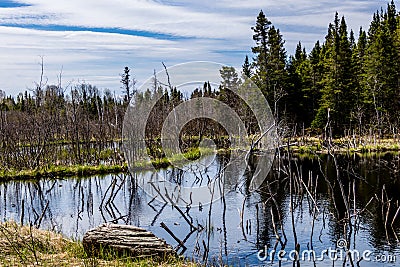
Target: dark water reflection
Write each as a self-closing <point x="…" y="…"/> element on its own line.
<point x="240" y="224"/>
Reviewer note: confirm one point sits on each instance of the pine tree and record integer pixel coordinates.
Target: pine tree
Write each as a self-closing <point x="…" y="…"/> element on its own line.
<point x="299" y="79"/>
<point x="337" y="91"/>
<point x="358" y="53"/>
<point x="346" y="78"/>
<point x="381" y="69"/>
<point x="127" y="85"/>
<point x="328" y="65"/>
<point x="261" y="50"/>
<point x="276" y="66"/>
<point x="246" y="67"/>
<point x="230" y="82"/>
<point x="391" y="18"/>
<point x="314" y="93"/>
<point x="269" y="62"/>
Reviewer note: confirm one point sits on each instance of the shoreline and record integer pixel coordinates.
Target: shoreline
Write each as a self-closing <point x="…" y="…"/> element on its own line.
<point x="81" y="171"/>
<point x="363" y="145"/>
<point x="300" y="146"/>
<point x="23" y="245"/>
<point x="56" y="172"/>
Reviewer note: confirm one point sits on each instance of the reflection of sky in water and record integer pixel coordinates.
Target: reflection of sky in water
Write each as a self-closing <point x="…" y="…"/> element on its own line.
<point x="74" y="208"/>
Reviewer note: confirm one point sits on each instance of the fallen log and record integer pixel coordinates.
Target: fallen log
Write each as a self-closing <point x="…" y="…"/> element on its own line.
<point x="125" y="240"/>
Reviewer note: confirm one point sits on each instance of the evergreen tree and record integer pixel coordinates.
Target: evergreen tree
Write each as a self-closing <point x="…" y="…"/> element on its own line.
<point x="337" y="89"/>
<point x="230" y="81"/>
<point x="358" y="52"/>
<point x="299" y="79"/>
<point x="313" y="93"/>
<point x="269" y="62"/>
<point x="346" y="78"/>
<point x="276" y="66"/>
<point x="128" y="85"/>
<point x="261" y="50"/>
<point x="381" y="69"/>
<point x="246" y="67"/>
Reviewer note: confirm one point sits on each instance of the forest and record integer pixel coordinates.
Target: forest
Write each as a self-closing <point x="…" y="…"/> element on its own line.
<point x="346" y="85"/>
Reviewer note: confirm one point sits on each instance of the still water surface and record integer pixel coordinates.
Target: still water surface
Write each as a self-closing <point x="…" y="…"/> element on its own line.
<point x="234" y="229"/>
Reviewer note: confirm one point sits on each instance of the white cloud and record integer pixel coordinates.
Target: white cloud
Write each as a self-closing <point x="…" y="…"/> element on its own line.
<point x="87" y="56"/>
<point x="134" y="15"/>
<point x="205" y="30"/>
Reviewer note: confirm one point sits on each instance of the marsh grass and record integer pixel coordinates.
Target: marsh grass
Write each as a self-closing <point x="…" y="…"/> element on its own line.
<point x="61" y="172"/>
<point x="28" y="246"/>
<point x="364" y="145"/>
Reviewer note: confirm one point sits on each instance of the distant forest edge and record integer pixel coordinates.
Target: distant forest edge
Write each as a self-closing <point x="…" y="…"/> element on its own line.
<point x="343" y="87"/>
<point x="343" y="83"/>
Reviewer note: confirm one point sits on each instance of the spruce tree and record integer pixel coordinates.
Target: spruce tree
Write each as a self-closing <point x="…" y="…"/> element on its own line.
<point x="128" y="85"/>
<point x="261" y="50"/>
<point x="269" y="62"/>
<point x="296" y="102"/>
<point x="316" y="71"/>
<point x="246" y="67"/>
<point x="358" y="52"/>
<point x="381" y="69"/>
<point x="337" y="89"/>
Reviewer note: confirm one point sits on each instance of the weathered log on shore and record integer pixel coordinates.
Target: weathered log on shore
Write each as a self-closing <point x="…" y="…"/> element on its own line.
<point x="125" y="240"/>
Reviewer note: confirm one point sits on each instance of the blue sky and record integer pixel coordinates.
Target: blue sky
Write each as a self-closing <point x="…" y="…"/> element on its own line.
<point x="93" y="40"/>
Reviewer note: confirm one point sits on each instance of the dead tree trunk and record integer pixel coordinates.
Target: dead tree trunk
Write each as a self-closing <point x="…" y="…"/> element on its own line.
<point x="125" y="240"/>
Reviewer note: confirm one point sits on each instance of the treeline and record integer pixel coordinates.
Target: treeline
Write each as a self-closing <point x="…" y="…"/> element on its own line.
<point x="79" y="125"/>
<point x="163" y="99"/>
<point x="344" y="84"/>
<point x="47" y="127"/>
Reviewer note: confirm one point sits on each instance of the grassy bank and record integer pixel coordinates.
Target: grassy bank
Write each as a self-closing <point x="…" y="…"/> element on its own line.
<point x="300" y="145"/>
<point x="61" y="172"/>
<point x="28" y="246"/>
<point x="363" y="145"/>
<point x="89" y="170"/>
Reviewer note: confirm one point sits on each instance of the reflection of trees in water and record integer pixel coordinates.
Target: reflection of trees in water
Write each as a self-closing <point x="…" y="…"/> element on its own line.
<point x="371" y="191"/>
<point x="43" y="201"/>
<point x="342" y="195"/>
<point x="345" y="194"/>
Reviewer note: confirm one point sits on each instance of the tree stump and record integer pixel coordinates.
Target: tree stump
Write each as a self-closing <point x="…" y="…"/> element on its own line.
<point x="125" y="240"/>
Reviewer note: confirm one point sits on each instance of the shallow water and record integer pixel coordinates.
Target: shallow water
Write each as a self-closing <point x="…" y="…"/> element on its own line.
<point x="73" y="206"/>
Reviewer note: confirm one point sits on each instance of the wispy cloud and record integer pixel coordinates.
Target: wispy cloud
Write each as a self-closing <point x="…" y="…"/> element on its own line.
<point x="93" y="40"/>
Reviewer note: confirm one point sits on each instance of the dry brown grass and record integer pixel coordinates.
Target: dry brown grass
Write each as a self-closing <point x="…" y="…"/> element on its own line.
<point x="28" y="246"/>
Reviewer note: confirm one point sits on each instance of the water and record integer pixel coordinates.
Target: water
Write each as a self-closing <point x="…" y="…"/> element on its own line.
<point x="240" y="226"/>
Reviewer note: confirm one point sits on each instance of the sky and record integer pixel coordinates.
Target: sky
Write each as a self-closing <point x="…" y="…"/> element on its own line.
<point x="92" y="41"/>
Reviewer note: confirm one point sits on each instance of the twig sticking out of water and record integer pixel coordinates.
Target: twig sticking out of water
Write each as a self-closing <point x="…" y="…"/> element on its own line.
<point x="241" y="213"/>
<point x="22" y="212"/>
<point x="180" y="242"/>
<point x="393" y="220"/>
<point x="39" y="221"/>
<point x="180" y="211"/>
